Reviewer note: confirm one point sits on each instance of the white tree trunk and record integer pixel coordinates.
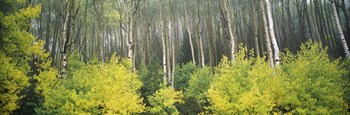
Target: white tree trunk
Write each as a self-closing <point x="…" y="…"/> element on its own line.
<point x="164" y="55"/>
<point x="342" y="38"/>
<point x="232" y="39"/>
<point x="168" y="49"/>
<point x="161" y="30"/>
<point x="130" y="40"/>
<point x="189" y="35"/>
<point x="64" y="66"/>
<point x="65" y="36"/>
<point x="272" y="33"/>
<point x="267" y="37"/>
<point x="173" y="55"/>
<point x="200" y="42"/>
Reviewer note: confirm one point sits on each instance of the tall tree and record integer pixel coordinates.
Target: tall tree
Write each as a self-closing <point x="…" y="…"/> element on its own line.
<point x="130" y="40"/>
<point x="272" y="32"/>
<point x="67" y="42"/>
<point x="231" y="39"/>
<point x="162" y="36"/>
<point x="266" y="33"/>
<point x="340" y="30"/>
<point x="187" y="24"/>
<point x="200" y="35"/>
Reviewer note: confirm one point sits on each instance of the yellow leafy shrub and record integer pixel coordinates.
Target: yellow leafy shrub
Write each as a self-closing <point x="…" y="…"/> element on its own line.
<point x="108" y="88"/>
<point x="17" y="49"/>
<point x="164" y="99"/>
<point x="305" y="83"/>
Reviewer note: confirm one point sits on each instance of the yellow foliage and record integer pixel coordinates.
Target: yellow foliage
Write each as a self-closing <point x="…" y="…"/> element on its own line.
<point x="306" y="83"/>
<point x="108" y="88"/>
<point x="16" y="51"/>
<point x="12" y="81"/>
<point x="164" y="99"/>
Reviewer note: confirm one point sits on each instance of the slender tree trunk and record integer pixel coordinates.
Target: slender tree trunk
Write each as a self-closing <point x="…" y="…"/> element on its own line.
<point x="347" y="18"/>
<point x="48" y="28"/>
<point x="130" y="40"/>
<point x="199" y="28"/>
<point x="84" y="50"/>
<point x="255" y="27"/>
<point x="214" y="33"/>
<point x="172" y="39"/>
<point x="168" y="47"/>
<point x="164" y="53"/>
<point x="267" y="37"/>
<point x="161" y="30"/>
<point x="54" y="42"/>
<point x="189" y="34"/>
<point x="121" y="40"/>
<point x="342" y="38"/>
<point x="200" y="37"/>
<point x="232" y="39"/>
<point x="272" y="33"/>
<point x="65" y="35"/>
<point x="173" y="62"/>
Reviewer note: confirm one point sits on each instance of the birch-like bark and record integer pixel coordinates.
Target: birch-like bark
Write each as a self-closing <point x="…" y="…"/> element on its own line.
<point x="272" y="33"/>
<point x="199" y="27"/>
<point x="163" y="47"/>
<point x="255" y="27"/>
<point x="65" y="35"/>
<point x="130" y="40"/>
<point x="342" y="38"/>
<point x="267" y="37"/>
<point x="173" y="58"/>
<point x="170" y="51"/>
<point x="189" y="35"/>
<point x="232" y="39"/>
<point x="167" y="47"/>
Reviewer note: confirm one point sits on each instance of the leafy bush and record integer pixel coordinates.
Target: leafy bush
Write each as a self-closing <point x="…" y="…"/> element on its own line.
<point x="163" y="101"/>
<point x="151" y="77"/>
<point x="314" y="83"/>
<point x="183" y="75"/>
<point x="346" y="78"/>
<point x="195" y="93"/>
<point x="108" y="88"/>
<point x="16" y="49"/>
<point x="12" y="81"/>
<point x="75" y="63"/>
<point x="306" y="83"/>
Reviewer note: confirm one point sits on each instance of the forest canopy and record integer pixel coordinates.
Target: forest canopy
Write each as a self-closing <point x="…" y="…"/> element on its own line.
<point x="174" y="57"/>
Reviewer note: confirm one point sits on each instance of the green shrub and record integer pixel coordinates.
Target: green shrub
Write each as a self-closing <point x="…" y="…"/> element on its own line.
<point x="346" y="78"/>
<point x="183" y="75"/>
<point x="163" y="100"/>
<point x="305" y="83"/>
<point x="195" y="93"/>
<point x="108" y="88"/>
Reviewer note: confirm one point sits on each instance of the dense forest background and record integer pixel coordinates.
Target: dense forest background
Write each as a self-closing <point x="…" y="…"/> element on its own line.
<point x="174" y="56"/>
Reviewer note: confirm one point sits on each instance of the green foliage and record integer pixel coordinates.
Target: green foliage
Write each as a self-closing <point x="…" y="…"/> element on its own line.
<point x="16" y="42"/>
<point x="195" y="95"/>
<point x="108" y="88"/>
<point x="12" y="81"/>
<point x="346" y="78"/>
<point x="183" y="75"/>
<point x="164" y="99"/>
<point x="313" y="82"/>
<point x="307" y="83"/>
<point x="17" y="48"/>
<point x="75" y="63"/>
<point x="151" y="76"/>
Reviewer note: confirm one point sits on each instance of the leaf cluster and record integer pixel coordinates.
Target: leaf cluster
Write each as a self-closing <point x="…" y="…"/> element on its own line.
<point x="305" y="83"/>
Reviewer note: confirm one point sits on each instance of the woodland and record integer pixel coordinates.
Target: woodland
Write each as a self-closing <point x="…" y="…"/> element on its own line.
<point x="185" y="57"/>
